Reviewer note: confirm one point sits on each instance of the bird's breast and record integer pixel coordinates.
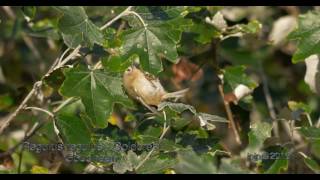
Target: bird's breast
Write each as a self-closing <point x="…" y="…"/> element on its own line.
<point x="151" y="93"/>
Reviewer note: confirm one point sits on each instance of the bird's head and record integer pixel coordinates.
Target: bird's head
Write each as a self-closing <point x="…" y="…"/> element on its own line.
<point x="132" y="72"/>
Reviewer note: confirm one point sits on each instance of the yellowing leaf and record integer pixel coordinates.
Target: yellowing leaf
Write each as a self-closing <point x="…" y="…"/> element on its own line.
<point x="113" y="120"/>
<point x="39" y="170"/>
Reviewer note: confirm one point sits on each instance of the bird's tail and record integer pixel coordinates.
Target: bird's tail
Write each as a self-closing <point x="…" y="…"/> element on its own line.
<point x="176" y="95"/>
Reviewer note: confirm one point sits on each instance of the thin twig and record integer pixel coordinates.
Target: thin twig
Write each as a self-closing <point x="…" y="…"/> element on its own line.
<point x="165" y="129"/>
<point x="35" y="125"/>
<point x="124" y="13"/>
<point x="69" y="57"/>
<point x="63" y="54"/>
<point x="309" y="119"/>
<point x="229" y="114"/>
<point x="20" y="107"/>
<point x="31" y="46"/>
<point x="20" y="160"/>
<point x="146" y="105"/>
<point x="40" y="109"/>
<point x="269" y="101"/>
<point x="27" y="137"/>
<point x="139" y="17"/>
<point x="318" y="123"/>
<point x="289" y="130"/>
<point x="98" y="65"/>
<point x="153" y="149"/>
<point x="64" y="103"/>
<point x="214" y="47"/>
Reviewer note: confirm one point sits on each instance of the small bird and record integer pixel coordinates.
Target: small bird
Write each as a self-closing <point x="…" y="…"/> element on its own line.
<point x="146" y="88"/>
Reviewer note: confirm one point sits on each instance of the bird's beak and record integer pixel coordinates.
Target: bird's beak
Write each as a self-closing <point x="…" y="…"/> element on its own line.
<point x="135" y="65"/>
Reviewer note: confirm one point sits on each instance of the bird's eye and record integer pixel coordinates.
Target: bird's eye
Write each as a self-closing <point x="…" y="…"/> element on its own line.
<point x="129" y="69"/>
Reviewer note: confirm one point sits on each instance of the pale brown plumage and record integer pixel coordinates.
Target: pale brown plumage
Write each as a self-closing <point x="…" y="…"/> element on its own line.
<point x="147" y="88"/>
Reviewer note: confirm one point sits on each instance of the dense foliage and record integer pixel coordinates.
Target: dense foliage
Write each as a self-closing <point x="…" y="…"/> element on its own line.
<point x="252" y="106"/>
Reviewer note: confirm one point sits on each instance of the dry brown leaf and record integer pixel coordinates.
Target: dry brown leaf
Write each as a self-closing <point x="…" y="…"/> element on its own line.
<point x="186" y="70"/>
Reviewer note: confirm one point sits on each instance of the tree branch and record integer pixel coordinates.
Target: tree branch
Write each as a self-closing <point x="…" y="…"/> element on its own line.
<point x="230" y="115"/>
<point x="27" y="137"/>
<point x="6" y="122"/>
<point x="216" y="68"/>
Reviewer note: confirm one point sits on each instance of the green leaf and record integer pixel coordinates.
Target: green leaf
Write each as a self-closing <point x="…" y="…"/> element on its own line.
<point x="239" y="30"/>
<point x="44" y="28"/>
<point x="279" y="165"/>
<point x="199" y="133"/>
<point x="157" y="39"/>
<point x="111" y="40"/>
<point x="312" y="164"/>
<point x="260" y="131"/>
<point x="204" y="32"/>
<point x="307" y="35"/>
<point x="106" y="148"/>
<point x="128" y="162"/>
<point x="116" y="63"/>
<point x="177" y="123"/>
<point x="232" y="50"/>
<point x="99" y="91"/>
<point x="73" y="129"/>
<point x="315" y="147"/>
<point x="235" y="75"/>
<point x="105" y="13"/>
<point x="152" y="131"/>
<point x="212" y="118"/>
<point x="162" y="145"/>
<point x="177" y="107"/>
<point x="5" y="101"/>
<point x="157" y="164"/>
<point x="54" y="79"/>
<point x="311" y="132"/>
<point x="252" y="27"/>
<point x="295" y="106"/>
<point x="29" y="11"/>
<point x="77" y="28"/>
<point x="121" y="167"/>
<point x="231" y="166"/>
<point x="190" y="163"/>
<point x="153" y="15"/>
<point x="206" y="120"/>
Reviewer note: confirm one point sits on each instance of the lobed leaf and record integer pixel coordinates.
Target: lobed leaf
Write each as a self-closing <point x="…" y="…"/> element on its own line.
<point x="307" y="35"/>
<point x="77" y="28"/>
<point x="99" y="91"/>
